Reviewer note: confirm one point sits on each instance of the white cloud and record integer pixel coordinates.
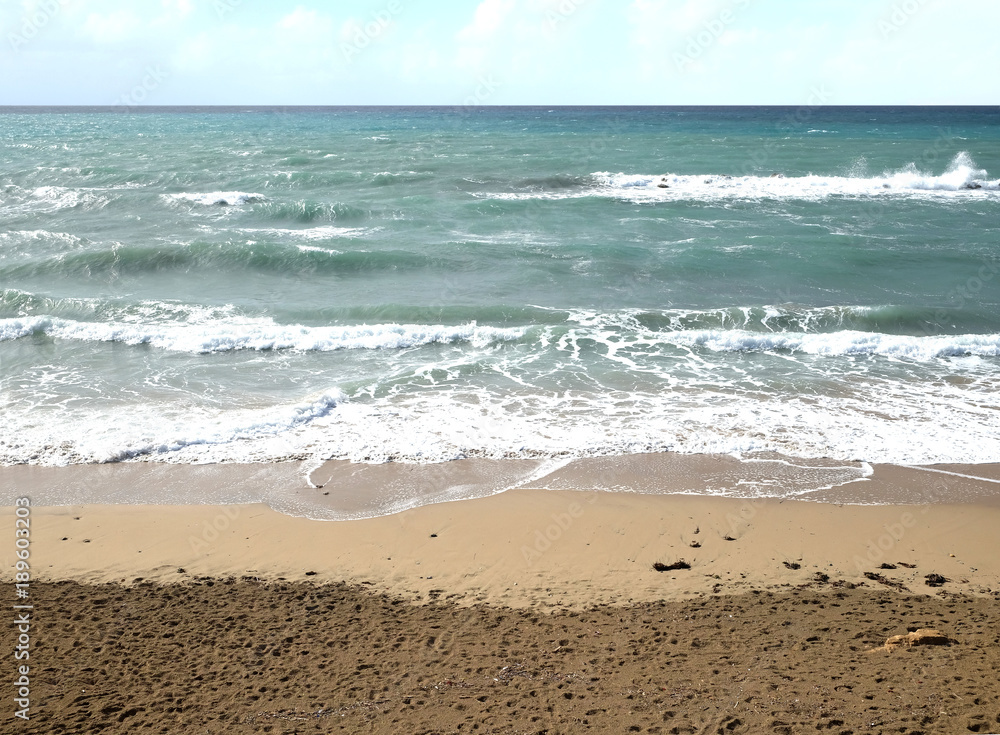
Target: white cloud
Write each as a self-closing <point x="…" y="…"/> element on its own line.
<point x="488" y="18"/>
<point x="737" y="37"/>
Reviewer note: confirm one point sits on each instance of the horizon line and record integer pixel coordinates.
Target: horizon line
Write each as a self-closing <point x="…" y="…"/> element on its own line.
<point x="156" y="108"/>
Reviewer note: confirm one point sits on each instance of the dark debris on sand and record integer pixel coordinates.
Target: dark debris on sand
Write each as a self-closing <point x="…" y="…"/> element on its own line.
<point x="882" y="579"/>
<point x="935" y="580"/>
<point x="679" y="564"/>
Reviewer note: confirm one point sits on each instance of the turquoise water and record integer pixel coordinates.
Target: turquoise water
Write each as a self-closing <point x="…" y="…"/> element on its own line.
<point x="424" y="284"/>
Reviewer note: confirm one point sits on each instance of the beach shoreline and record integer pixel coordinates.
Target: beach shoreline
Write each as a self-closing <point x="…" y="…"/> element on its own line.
<point x="342" y="490"/>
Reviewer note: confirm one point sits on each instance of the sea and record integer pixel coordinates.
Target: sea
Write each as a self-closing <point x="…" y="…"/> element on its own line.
<point x="419" y="285"/>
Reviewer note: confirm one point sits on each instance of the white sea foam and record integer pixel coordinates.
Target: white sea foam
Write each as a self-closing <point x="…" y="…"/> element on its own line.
<point x="314" y="249"/>
<point x="695" y="404"/>
<point x="848" y="342"/>
<point x="217" y="198"/>
<point x="913" y="424"/>
<point x="256" y="334"/>
<point x="785" y="321"/>
<point x="179" y="433"/>
<point x="40" y="236"/>
<point x="961" y="178"/>
<point x="149" y="311"/>
<point x="54" y="198"/>
<point x="323" y="232"/>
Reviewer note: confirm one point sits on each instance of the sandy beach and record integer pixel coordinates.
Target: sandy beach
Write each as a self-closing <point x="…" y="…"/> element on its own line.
<point x="529" y="611"/>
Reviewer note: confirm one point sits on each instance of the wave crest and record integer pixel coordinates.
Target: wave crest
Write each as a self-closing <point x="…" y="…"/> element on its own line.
<point x="962" y="177"/>
<point x="217" y="198"/>
<point x="962" y="174"/>
<point x="848" y="342"/>
<point x="256" y="334"/>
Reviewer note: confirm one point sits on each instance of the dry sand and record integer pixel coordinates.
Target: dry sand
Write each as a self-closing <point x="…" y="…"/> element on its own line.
<point x="537" y="548"/>
<point x="531" y="611"/>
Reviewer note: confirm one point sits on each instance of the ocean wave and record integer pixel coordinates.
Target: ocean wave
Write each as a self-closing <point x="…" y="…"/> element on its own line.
<point x="217" y="198"/>
<point x="155" y="434"/>
<point x="556" y="181"/>
<point x="258" y="334"/>
<point x="889" y="319"/>
<point x="18" y="304"/>
<point x="388" y="178"/>
<point x="65" y="238"/>
<point x="50" y="199"/>
<point x="28" y="305"/>
<point x="16" y="244"/>
<point x="306" y="210"/>
<point x="265" y="256"/>
<point x="322" y="232"/>
<point x="237" y="426"/>
<point x="847" y="342"/>
<point x="962" y="177"/>
<point x="821" y="331"/>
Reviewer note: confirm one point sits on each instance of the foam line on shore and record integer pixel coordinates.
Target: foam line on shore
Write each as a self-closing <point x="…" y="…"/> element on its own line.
<point x="953" y="474"/>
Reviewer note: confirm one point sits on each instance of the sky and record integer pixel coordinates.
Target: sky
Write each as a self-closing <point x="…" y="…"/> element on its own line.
<point x="498" y="52"/>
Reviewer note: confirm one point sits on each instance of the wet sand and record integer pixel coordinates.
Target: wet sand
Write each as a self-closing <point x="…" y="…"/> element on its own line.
<point x="340" y="490"/>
